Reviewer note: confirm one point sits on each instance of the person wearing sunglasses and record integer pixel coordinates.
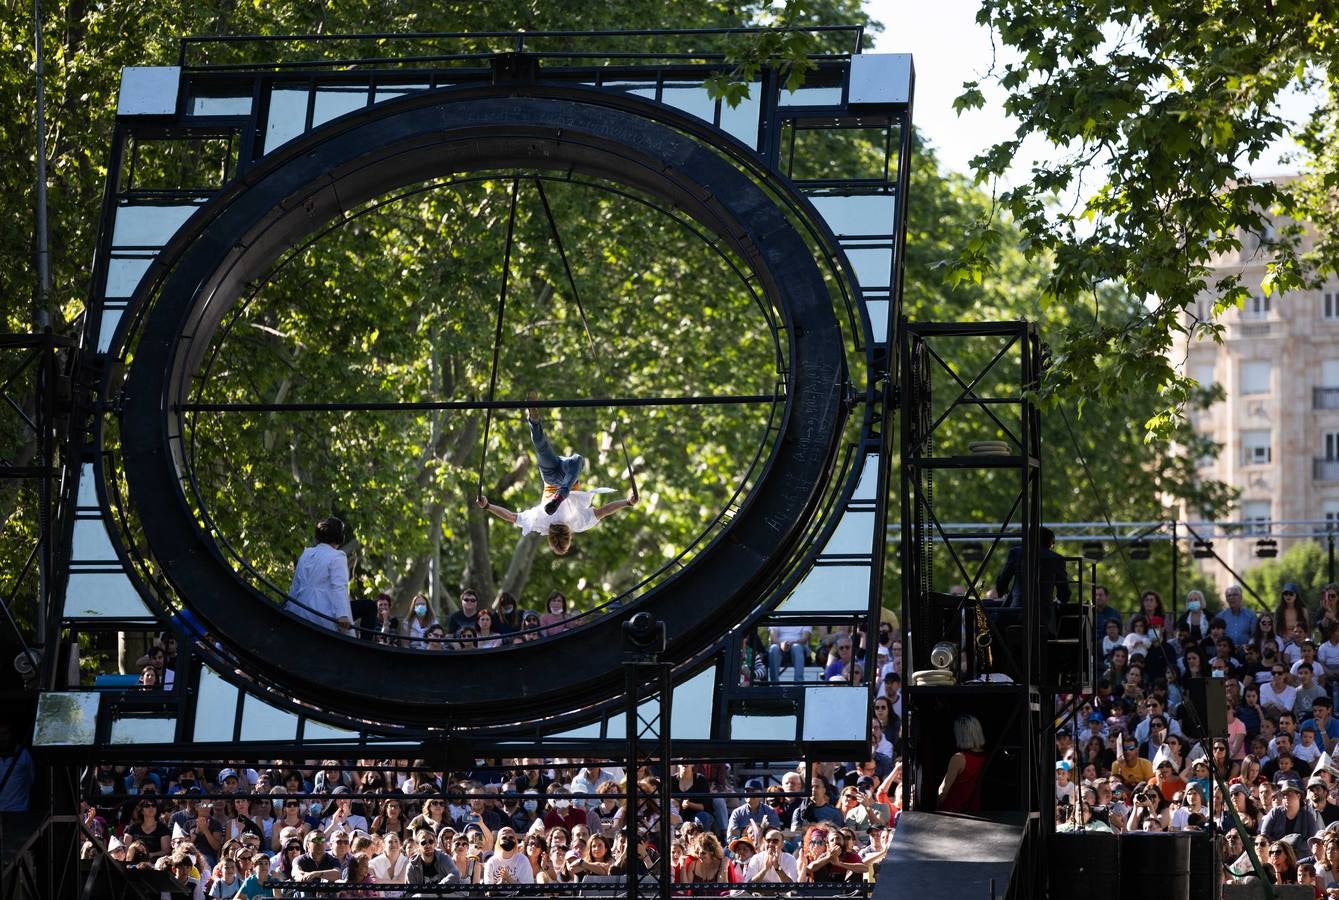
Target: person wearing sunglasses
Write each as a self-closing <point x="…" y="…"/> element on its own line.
<point x="429" y="866"/>
<point x="146" y="826"/>
<point x="772" y="864"/>
<point x="1281" y="858"/>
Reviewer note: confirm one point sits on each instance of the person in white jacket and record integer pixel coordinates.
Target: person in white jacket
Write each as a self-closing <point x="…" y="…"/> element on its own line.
<point x="321" y="580"/>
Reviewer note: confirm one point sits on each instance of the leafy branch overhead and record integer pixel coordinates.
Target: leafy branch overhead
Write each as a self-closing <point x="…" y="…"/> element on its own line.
<point x="1154" y="115"/>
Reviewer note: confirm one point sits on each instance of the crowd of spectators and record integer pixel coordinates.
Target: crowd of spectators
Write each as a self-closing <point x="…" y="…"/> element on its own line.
<point x="382" y="827"/>
<point x="1127" y="757"/>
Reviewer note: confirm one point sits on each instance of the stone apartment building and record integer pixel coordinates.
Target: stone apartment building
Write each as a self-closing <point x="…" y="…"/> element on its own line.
<point x="1279" y="424"/>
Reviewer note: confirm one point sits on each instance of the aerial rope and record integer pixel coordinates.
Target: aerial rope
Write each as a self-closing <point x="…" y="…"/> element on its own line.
<point x="585" y="324"/>
<point x="497" y="335"/>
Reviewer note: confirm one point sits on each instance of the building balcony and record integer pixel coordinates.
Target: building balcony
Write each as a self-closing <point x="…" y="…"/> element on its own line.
<point x="1326" y="470"/>
<point x="1325" y="398"/>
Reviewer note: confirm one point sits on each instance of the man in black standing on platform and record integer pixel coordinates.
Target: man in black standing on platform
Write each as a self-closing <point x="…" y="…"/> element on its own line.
<point x="1051" y="573"/>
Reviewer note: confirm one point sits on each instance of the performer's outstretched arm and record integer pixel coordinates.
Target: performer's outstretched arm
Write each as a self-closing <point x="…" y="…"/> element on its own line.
<point x="613" y="506"/>
<point x="501" y="512"/>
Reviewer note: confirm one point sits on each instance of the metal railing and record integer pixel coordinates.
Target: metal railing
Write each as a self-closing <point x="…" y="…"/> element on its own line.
<point x="1325" y="398"/>
<point x="1325" y="469"/>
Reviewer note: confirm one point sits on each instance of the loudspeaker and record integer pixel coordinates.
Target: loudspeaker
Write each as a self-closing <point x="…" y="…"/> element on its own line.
<point x="1207" y="716"/>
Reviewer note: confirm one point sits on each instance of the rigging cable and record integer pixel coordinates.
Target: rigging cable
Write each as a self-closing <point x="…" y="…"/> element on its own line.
<point x="585" y="324"/>
<point x="497" y="336"/>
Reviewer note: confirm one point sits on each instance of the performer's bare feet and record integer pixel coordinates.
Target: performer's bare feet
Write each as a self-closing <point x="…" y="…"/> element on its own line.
<point x="531" y="413"/>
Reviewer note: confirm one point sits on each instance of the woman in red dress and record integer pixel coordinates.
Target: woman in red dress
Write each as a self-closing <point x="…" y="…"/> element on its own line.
<point x="960" y="790"/>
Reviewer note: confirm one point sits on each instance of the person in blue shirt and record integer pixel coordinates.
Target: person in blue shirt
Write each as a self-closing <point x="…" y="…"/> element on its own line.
<point x="16" y="771"/>
<point x="1322" y="723"/>
<point x="752" y="810"/>
<point x="1102" y="612"/>
<point x="1239" y="620"/>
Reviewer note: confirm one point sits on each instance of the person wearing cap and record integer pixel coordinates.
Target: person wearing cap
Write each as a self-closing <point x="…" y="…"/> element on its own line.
<point x="1318" y="791"/>
<point x="751" y="811"/>
<point x="316" y="864"/>
<point x="741" y="851"/>
<point x="320" y="586"/>
<point x="1239" y="795"/>
<point x="339" y="814"/>
<point x="1291" y="610"/>
<point x="1291" y="815"/>
<point x="1167" y="781"/>
<point x="1065" y="791"/>
<point x="1192" y="805"/>
<point x="1327" y="861"/>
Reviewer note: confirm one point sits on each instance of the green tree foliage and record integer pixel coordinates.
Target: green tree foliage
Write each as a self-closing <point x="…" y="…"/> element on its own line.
<point x="88" y="44"/>
<point x="1154" y="112"/>
<point x="405" y="297"/>
<point x="1127" y="478"/>
<point x="1305" y="562"/>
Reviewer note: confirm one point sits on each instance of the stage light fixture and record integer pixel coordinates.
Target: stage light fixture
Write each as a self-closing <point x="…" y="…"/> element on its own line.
<point x="943" y="655"/>
<point x="973" y="551"/>
<point x="1139" y="550"/>
<point x="1202" y="550"/>
<point x="1094" y="550"/>
<point x="1266" y="548"/>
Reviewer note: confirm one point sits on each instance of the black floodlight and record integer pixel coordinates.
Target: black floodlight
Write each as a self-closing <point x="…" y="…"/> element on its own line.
<point x="1202" y="550"/>
<point x="1139" y="550"/>
<point x="973" y="551"/>
<point x="642" y="634"/>
<point x="1094" y="550"/>
<point x="1266" y="548"/>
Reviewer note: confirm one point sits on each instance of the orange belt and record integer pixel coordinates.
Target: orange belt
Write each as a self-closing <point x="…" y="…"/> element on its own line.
<point x="552" y="489"/>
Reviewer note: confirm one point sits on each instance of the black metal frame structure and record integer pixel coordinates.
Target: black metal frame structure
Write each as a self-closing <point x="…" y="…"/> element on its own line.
<point x="604" y="111"/>
<point x="821" y="248"/>
<point x="1015" y="711"/>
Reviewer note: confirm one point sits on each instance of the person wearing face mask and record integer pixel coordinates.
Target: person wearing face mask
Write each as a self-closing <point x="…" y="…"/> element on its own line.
<point x="517" y="813"/>
<point x="508" y="865"/>
<point x="421" y="618"/>
<point x="561" y="813"/>
<point x="1195" y="619"/>
<point x="507" y="615"/>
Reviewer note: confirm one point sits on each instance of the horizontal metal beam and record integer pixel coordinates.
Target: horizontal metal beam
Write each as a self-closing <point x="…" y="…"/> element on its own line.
<point x="413" y="406"/>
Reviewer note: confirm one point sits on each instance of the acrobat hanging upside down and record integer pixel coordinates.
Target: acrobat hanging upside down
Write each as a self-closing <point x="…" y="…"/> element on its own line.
<point x="563" y="510"/>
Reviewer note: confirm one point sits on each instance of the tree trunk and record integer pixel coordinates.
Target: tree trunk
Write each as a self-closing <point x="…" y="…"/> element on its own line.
<point x="522" y="561"/>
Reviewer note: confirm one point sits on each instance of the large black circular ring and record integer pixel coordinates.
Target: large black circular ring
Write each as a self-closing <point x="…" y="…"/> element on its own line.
<point x="244" y="229"/>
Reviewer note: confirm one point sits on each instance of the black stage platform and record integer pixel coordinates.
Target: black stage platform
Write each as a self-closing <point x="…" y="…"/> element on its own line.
<point x="955" y="857"/>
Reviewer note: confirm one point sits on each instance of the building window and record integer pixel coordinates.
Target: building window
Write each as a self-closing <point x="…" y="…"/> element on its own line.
<point x="1255" y="377"/>
<point x="1257" y="307"/>
<point x="1255" y="516"/>
<point x="1329" y="308"/>
<point x="1331" y="446"/>
<point x="1255" y="449"/>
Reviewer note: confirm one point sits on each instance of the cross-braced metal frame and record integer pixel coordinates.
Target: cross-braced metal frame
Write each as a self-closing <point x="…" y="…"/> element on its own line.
<point x="997" y="668"/>
<point x="820" y="248"/>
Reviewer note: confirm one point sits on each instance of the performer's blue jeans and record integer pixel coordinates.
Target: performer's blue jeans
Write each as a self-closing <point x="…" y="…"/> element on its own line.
<point x="797" y="659"/>
<point x="560" y="471"/>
